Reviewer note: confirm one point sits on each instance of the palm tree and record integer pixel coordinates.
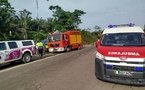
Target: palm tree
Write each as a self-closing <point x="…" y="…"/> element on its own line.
<point x="37" y="5"/>
<point x="24" y="16"/>
<point x="7" y="18"/>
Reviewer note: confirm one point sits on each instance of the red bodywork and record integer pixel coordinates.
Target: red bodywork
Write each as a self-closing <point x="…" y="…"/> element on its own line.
<point x="97" y="42"/>
<point x="70" y="41"/>
<point x="117" y="51"/>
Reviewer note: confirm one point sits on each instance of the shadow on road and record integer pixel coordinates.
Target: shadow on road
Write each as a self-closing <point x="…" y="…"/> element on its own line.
<point x="19" y="62"/>
<point x="34" y="58"/>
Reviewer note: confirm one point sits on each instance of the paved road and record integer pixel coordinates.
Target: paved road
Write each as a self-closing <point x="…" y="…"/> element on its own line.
<point x="67" y="71"/>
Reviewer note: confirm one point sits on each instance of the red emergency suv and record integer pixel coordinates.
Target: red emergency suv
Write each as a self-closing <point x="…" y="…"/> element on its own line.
<point x="120" y="55"/>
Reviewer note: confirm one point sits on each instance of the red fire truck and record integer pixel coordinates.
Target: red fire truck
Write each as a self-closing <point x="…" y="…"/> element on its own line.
<point x="65" y="41"/>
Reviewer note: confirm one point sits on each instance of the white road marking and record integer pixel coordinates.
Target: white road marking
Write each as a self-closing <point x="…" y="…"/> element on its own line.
<point x="94" y="52"/>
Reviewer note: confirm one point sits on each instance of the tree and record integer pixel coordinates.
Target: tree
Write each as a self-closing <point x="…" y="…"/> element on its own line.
<point x="21" y="26"/>
<point x="98" y="31"/>
<point x="50" y="25"/>
<point x="64" y="20"/>
<point x="24" y="17"/>
<point x="97" y="28"/>
<point x="7" y="19"/>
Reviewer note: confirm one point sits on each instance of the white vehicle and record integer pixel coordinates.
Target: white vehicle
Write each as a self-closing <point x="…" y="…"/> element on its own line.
<point x="17" y="50"/>
<point x="120" y="55"/>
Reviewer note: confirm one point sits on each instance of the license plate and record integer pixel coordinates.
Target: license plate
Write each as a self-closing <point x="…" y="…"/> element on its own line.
<point x="126" y="73"/>
<point x="55" y="49"/>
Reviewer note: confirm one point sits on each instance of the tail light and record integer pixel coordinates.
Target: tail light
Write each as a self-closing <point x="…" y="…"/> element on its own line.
<point x="34" y="50"/>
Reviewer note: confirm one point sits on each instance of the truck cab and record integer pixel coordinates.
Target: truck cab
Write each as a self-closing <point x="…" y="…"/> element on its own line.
<point x="64" y="41"/>
<point x="58" y="42"/>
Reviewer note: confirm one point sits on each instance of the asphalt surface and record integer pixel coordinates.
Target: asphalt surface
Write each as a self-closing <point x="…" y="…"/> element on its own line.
<point x="62" y="71"/>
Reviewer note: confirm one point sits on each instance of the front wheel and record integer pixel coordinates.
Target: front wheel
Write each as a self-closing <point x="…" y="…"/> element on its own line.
<point x="26" y="58"/>
<point x="68" y="48"/>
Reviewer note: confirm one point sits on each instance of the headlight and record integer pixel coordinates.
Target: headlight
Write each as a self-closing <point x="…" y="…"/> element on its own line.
<point x="100" y="56"/>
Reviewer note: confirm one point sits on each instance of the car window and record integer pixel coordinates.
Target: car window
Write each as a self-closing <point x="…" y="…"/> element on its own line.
<point x="27" y="43"/>
<point x="64" y="37"/>
<point x="12" y="45"/>
<point x="55" y="37"/>
<point x="2" y="46"/>
<point x="123" y="39"/>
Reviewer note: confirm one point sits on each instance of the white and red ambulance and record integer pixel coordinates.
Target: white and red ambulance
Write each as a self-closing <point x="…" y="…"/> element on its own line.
<point x="120" y="55"/>
<point x="17" y="50"/>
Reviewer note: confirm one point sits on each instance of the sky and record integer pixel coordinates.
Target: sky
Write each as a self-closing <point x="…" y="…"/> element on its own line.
<point x="98" y="12"/>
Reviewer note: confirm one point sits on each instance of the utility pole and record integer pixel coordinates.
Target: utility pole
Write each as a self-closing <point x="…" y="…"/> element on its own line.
<point x="37" y="8"/>
<point x="144" y="28"/>
<point x="37" y="14"/>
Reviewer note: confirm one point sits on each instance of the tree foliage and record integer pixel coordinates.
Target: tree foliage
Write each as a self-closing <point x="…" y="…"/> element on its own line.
<point x="23" y="19"/>
<point x="65" y="20"/>
<point x="17" y="26"/>
<point x="7" y="19"/>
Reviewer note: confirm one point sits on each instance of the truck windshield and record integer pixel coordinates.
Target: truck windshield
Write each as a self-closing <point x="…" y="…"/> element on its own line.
<point x="55" y="37"/>
<point x="123" y="39"/>
<point x="2" y="46"/>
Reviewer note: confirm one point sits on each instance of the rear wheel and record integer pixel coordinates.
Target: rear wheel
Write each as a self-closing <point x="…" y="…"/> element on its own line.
<point x="26" y="58"/>
<point x="79" y="47"/>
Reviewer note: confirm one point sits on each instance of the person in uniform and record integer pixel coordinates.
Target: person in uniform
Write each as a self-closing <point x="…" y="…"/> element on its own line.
<point x="46" y="48"/>
<point x="40" y="48"/>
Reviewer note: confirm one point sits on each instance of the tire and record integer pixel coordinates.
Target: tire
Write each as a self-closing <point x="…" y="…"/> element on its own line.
<point x="79" y="47"/>
<point x="67" y="49"/>
<point x="26" y="58"/>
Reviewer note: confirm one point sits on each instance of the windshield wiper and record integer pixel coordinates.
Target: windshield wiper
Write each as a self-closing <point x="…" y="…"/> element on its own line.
<point x="117" y="44"/>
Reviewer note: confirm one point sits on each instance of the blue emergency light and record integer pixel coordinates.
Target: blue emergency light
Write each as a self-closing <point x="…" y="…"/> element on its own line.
<point x="138" y="68"/>
<point x="109" y="66"/>
<point x="121" y="25"/>
<point x="56" y="32"/>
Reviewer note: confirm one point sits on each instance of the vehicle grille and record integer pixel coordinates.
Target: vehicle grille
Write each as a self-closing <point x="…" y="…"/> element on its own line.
<point x="54" y="45"/>
<point x="125" y="62"/>
<point x="126" y="68"/>
<point x="123" y="68"/>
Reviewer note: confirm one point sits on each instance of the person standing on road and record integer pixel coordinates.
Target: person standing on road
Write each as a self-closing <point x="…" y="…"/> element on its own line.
<point x="46" y="48"/>
<point x="40" y="48"/>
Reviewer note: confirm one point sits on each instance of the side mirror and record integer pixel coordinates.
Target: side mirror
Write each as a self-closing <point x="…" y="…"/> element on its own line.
<point x="97" y="43"/>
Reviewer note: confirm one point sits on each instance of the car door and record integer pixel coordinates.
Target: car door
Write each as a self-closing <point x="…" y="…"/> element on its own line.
<point x="3" y="50"/>
<point x="13" y="52"/>
<point x="64" y="39"/>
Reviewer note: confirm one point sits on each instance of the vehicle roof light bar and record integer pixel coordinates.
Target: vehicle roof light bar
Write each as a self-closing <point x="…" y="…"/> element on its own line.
<point x="121" y="25"/>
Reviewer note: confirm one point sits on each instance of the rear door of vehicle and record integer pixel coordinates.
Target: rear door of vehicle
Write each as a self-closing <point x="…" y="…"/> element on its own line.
<point x="64" y="39"/>
<point x="28" y="45"/>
